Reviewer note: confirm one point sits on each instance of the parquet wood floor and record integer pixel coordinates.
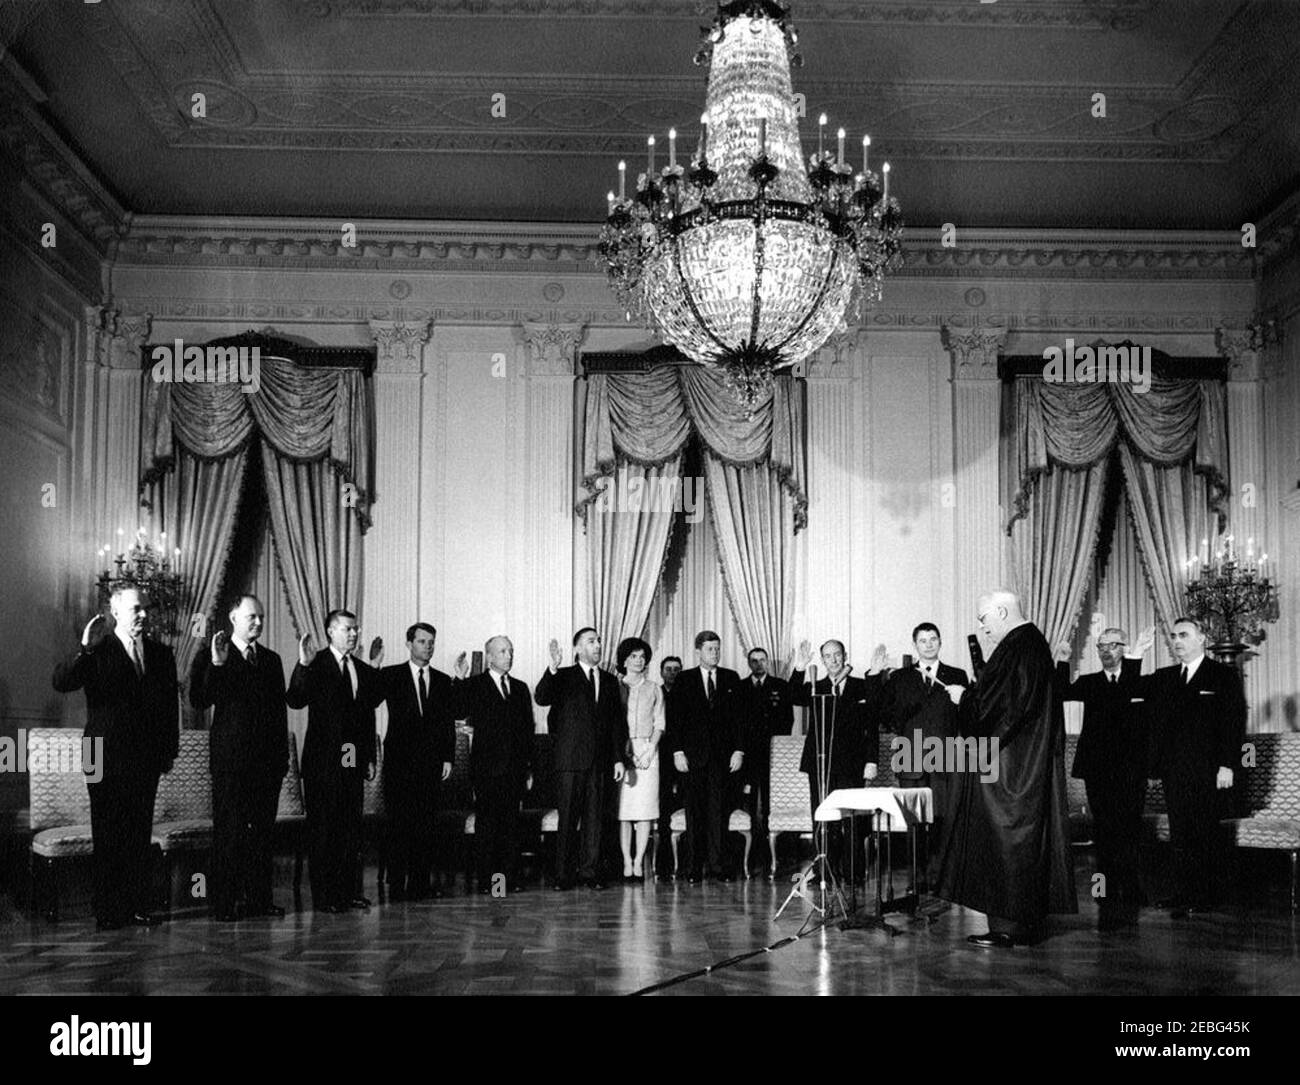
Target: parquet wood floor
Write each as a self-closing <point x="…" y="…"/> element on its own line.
<point x="626" y="938"/>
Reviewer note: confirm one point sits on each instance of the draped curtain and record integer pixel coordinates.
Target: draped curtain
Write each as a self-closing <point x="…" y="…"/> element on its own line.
<point x="1173" y="449"/>
<point x="637" y="425"/>
<point x="314" y="429"/>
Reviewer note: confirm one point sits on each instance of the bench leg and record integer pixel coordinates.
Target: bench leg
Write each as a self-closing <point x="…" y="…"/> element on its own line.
<point x="1295" y="869"/>
<point x="50" y="876"/>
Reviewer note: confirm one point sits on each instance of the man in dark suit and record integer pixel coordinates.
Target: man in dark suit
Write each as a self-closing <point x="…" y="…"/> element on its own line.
<point x="852" y="729"/>
<point x="1198" y="714"/>
<point x="669" y="794"/>
<point x="916" y="700"/>
<point x="765" y="712"/>
<point x="419" y="748"/>
<point x="1111" y="759"/>
<point x="704" y="733"/>
<point x="340" y="694"/>
<point x="499" y="711"/>
<point x="248" y="755"/>
<point x="589" y="733"/>
<point x="132" y="715"/>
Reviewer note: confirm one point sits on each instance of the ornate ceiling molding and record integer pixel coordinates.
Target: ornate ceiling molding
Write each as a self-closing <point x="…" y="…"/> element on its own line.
<point x="555" y="250"/>
<point x="1202" y="119"/>
<point x="1097" y="15"/>
<point x="53" y="169"/>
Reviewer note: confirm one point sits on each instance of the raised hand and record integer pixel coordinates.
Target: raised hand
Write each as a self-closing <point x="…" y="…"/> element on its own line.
<point x="96" y="630"/>
<point x="879" y="659"/>
<point x="377" y="652"/>
<point x="1062" y="654"/>
<point x="1145" y="639"/>
<point x="220" y="648"/>
<point x="804" y="655"/>
<point x="557" y="657"/>
<point x="305" y="650"/>
<point x="462" y="665"/>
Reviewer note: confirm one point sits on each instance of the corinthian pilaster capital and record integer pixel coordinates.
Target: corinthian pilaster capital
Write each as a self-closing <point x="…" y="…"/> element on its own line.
<point x="115" y="341"/>
<point x="552" y="348"/>
<point x="974" y="351"/>
<point x="834" y="358"/>
<point x="1242" y="348"/>
<point x="399" y="344"/>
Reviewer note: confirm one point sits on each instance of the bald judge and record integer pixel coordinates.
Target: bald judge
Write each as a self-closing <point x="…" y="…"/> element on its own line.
<point x="1008" y="854"/>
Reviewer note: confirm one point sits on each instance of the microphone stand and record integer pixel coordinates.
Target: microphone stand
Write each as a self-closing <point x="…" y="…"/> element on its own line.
<point x="827" y="894"/>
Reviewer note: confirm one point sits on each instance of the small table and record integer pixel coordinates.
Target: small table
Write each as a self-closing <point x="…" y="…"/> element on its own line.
<point x="908" y="807"/>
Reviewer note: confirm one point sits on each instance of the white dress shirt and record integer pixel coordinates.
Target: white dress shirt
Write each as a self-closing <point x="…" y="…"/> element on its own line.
<point x="352" y="669"/>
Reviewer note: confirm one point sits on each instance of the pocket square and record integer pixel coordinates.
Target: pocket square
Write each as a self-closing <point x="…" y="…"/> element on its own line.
<point x="1137" y="700"/>
<point x="1206" y="692"/>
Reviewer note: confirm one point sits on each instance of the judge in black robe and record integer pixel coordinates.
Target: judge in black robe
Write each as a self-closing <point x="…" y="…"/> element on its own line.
<point x="1008" y="854"/>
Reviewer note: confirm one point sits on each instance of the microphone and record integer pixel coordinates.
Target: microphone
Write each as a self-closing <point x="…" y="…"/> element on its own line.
<point x="812" y="674"/>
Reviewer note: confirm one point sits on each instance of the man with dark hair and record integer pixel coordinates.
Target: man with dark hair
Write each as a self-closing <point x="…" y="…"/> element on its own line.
<point x="704" y="734"/>
<point x="917" y="705"/>
<point x="419" y="748"/>
<point x="243" y="681"/>
<point x="1198" y="720"/>
<point x="340" y="694"/>
<point x="852" y="731"/>
<point x="765" y="712"/>
<point x="132" y="711"/>
<point x="670" y="795"/>
<point x="1111" y="759"/>
<point x="589" y="733"/>
<point x="499" y="710"/>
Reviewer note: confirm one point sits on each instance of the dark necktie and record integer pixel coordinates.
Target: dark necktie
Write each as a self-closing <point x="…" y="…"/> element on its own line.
<point x="248" y="656"/>
<point x="347" y="676"/>
<point x="591" y="681"/>
<point x="708" y="688"/>
<point x="424" y="692"/>
<point x="505" y="688"/>
<point x="929" y="678"/>
<point x="1186" y="677"/>
<point x="1113" y="678"/>
<point x="137" y="658"/>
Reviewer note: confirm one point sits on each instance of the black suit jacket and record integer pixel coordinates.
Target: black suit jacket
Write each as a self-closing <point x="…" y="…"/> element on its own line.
<point x="1113" y="743"/>
<point x="503" y="731"/>
<point x="585" y="734"/>
<point x="1197" y="727"/>
<point x="250" y="725"/>
<point x="908" y="705"/>
<point x="764" y="713"/>
<point x="855" y="742"/>
<point x="137" y="719"/>
<point x="700" y="732"/>
<point x="416" y="747"/>
<point x="334" y="719"/>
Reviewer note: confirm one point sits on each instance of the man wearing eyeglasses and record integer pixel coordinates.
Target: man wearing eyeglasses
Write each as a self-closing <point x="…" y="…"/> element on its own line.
<point x="1008" y="852"/>
<point x="1111" y="759"/>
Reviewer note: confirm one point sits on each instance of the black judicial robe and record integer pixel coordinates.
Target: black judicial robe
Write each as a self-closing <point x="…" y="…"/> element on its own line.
<point x="1008" y="852"/>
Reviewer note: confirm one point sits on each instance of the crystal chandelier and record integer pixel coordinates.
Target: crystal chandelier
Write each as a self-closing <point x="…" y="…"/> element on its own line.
<point x="747" y="260"/>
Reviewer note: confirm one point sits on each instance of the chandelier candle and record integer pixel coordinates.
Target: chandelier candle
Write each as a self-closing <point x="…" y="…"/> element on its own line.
<point x="748" y="262"/>
<point x="622" y="182"/>
<point x="866" y="147"/>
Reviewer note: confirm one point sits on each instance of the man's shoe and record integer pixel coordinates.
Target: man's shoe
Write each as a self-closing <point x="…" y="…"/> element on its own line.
<point x="991" y="940"/>
<point x="593" y="883"/>
<point x="144" y="919"/>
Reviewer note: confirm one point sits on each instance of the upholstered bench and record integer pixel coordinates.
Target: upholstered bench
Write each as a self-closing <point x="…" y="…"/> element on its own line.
<point x="58" y="809"/>
<point x="1270" y="793"/>
<point x="60" y="806"/>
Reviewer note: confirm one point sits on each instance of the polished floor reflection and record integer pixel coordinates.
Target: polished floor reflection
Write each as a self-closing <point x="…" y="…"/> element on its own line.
<point x="626" y="938"/>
